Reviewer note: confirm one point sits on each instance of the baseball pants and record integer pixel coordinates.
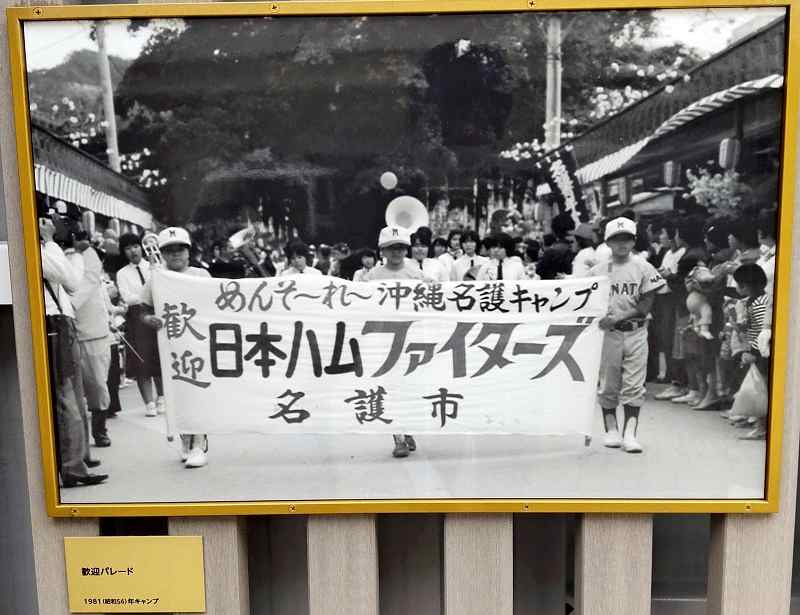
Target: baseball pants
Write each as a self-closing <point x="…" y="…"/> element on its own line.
<point x="623" y="368"/>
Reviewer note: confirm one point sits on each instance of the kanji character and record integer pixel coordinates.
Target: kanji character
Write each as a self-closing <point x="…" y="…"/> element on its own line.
<point x="176" y="323"/>
<point x="492" y="297"/>
<point x="428" y="296"/>
<point x="264" y="347"/>
<point x="396" y="292"/>
<point x="216" y="347"/>
<point x="369" y="405"/>
<point x="186" y="368"/>
<point x="462" y="297"/>
<point x="444" y="405"/>
<point x="289" y="414"/>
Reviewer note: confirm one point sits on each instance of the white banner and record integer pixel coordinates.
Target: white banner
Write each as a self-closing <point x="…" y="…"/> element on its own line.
<point x="315" y="354"/>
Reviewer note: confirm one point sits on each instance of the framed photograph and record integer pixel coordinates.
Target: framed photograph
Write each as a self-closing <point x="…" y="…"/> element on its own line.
<point x="298" y="257"/>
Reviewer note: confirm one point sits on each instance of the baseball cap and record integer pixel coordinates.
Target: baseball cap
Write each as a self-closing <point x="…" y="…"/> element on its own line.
<point x="393" y="235"/>
<point x="174" y="235"/>
<point x="619" y="226"/>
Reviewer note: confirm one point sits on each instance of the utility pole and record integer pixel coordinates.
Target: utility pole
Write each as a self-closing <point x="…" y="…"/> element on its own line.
<point x="108" y="97"/>
<point x="553" y="93"/>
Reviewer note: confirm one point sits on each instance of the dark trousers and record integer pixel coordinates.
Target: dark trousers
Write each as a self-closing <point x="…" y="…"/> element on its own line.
<point x="114" y="378"/>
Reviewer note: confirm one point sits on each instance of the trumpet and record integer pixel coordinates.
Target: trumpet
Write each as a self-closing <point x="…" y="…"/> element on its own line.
<point x="153" y="255"/>
<point x="242" y="241"/>
<point x="151" y="250"/>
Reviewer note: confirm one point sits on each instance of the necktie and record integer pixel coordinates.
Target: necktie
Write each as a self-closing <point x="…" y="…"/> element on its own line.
<point x="500" y="270"/>
<point x="420" y="265"/>
<point x="141" y="277"/>
<point x="471" y="263"/>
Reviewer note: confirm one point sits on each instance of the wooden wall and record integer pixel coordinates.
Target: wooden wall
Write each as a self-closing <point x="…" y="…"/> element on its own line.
<point x="451" y="564"/>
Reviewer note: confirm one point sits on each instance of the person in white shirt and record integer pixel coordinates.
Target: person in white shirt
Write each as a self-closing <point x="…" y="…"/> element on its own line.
<point x="91" y="303"/>
<point x="298" y="255"/>
<point x="60" y="279"/>
<point x="466" y="267"/>
<point x="368" y="260"/>
<point x="393" y="242"/>
<point x="142" y="361"/>
<point x="585" y="259"/>
<point x="500" y="267"/>
<point x="431" y="268"/>
<point x="175" y="244"/>
<point x="453" y="253"/>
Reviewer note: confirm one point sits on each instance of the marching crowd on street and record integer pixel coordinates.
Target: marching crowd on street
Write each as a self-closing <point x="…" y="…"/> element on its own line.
<point x="690" y="310"/>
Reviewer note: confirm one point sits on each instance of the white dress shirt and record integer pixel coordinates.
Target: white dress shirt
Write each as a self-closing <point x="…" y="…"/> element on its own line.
<point x="464" y="263"/>
<point x="130" y="284"/>
<point x="62" y="278"/>
<point x="512" y="270"/>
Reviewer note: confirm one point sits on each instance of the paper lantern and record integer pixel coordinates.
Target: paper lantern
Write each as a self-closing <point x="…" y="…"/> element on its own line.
<point x="672" y="173"/>
<point x="729" y="152"/>
<point x="624" y="190"/>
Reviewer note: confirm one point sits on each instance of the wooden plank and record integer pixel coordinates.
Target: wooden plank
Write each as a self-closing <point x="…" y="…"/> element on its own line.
<point x="342" y="565"/>
<point x="48" y="533"/>
<point x="410" y="563"/>
<point x="613" y="564"/>
<point x="540" y="564"/>
<point x="225" y="560"/>
<point x="478" y="564"/>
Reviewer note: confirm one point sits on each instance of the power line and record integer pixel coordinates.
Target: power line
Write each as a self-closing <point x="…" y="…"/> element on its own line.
<point x="50" y="45"/>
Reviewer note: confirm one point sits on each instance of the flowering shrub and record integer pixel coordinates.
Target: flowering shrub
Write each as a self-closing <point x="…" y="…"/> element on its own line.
<point x="718" y="191"/>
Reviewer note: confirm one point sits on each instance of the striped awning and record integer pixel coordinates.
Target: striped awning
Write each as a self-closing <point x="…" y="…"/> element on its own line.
<point x="59" y="186"/>
<point x="717" y="100"/>
<point x="612" y="162"/>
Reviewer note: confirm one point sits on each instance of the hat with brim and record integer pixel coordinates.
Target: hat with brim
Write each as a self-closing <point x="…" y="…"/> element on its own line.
<point x="620" y="226"/>
<point x="394" y="236"/>
<point x="174" y="236"/>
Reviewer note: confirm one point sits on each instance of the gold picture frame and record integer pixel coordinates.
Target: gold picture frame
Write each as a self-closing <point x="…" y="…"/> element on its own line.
<point x="18" y="17"/>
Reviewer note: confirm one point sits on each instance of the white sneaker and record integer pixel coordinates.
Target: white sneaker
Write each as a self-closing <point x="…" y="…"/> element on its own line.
<point x="612" y="439"/>
<point x="197" y="458"/>
<point x="160" y="407"/>
<point x="630" y="444"/>
<point x="691" y="396"/>
<point x="150" y="409"/>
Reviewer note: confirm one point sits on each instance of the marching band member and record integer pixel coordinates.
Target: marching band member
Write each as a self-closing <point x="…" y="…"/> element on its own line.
<point x="141" y="358"/>
<point x="500" y="266"/>
<point x="466" y="267"/>
<point x="431" y="268"/>
<point x="394" y="242"/>
<point x="174" y="244"/>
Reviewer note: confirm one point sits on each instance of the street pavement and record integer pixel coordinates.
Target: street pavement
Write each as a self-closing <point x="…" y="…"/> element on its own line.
<point x="687" y="455"/>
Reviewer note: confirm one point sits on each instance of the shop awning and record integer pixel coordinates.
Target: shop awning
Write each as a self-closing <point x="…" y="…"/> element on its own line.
<point x="612" y="162"/>
<point x="59" y="186"/>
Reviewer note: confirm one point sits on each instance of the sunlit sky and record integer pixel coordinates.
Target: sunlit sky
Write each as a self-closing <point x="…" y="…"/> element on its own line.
<point x="48" y="44"/>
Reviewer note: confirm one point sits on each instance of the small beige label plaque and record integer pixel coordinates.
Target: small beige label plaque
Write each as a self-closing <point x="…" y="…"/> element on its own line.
<point x="135" y="574"/>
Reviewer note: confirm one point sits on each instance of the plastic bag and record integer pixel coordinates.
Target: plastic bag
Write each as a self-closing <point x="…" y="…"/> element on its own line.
<point x="752" y="398"/>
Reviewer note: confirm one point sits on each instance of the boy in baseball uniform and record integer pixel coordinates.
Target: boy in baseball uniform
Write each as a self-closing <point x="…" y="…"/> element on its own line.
<point x="623" y="367"/>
